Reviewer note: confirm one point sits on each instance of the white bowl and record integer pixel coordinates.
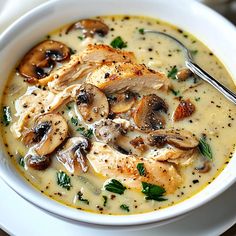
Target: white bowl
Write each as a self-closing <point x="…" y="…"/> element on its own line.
<point x="191" y="16"/>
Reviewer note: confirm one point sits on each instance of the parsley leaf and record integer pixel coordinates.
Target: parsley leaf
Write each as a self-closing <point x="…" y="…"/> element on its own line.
<point x="118" y="43"/>
<point x="172" y="73"/>
<point x="115" y="186"/>
<point x="141" y="169"/>
<point x="21" y="161"/>
<point x="63" y="180"/>
<point x="194" y="52"/>
<point x="6" y="118"/>
<point x="197" y="99"/>
<point x="153" y="192"/>
<point x="205" y="148"/>
<point x="104" y="200"/>
<point x="80" y="37"/>
<point x="80" y="198"/>
<point x="175" y="92"/>
<point x="141" y="31"/>
<point x="74" y="121"/>
<point x="87" y="133"/>
<point x="124" y="207"/>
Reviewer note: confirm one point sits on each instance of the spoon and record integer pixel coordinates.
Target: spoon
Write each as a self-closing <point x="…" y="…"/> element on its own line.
<point x="197" y="69"/>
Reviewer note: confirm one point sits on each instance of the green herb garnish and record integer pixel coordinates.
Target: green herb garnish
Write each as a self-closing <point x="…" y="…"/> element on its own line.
<point x="115" y="186"/>
<point x="194" y="52"/>
<point x="21" y="161"/>
<point x="197" y="99"/>
<point x="205" y="148"/>
<point x="172" y="73"/>
<point x="80" y="37"/>
<point x="104" y="200"/>
<point x="153" y="192"/>
<point x="87" y="133"/>
<point x="118" y="43"/>
<point x="72" y="51"/>
<point x="63" y="180"/>
<point x="141" y="31"/>
<point x="175" y="92"/>
<point x="141" y="169"/>
<point x="6" y="118"/>
<point x="124" y="207"/>
<point x="80" y="198"/>
<point x="74" y="121"/>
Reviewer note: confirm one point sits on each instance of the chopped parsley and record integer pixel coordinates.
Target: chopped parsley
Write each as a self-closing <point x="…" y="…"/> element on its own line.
<point x="104" y="200"/>
<point x="115" y="186"/>
<point x="172" y="73"/>
<point x="205" y="148"/>
<point x="124" y="207"/>
<point x="80" y="37"/>
<point x="175" y="92"/>
<point x="153" y="192"/>
<point x="194" y="52"/>
<point x="74" y="121"/>
<point x="118" y="43"/>
<point x="80" y="198"/>
<point x="141" y="169"/>
<point x="197" y="99"/>
<point x="72" y="51"/>
<point x="63" y="180"/>
<point x="86" y="133"/>
<point x="141" y="31"/>
<point x="21" y="162"/>
<point x="6" y="118"/>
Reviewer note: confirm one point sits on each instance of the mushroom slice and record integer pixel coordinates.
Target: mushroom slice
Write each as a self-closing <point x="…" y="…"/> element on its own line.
<point x="90" y="27"/>
<point x="38" y="162"/>
<point x="102" y="53"/>
<point x="147" y="115"/>
<point x="111" y="163"/>
<point x="123" y="76"/>
<point x="185" y="109"/>
<point x="91" y="103"/>
<point x="178" y="138"/>
<point x="120" y="103"/>
<point x="48" y="133"/>
<point x="40" y="60"/>
<point x="74" y="153"/>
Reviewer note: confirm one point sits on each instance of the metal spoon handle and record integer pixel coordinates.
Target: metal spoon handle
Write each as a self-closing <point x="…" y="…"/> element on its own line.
<point x="216" y="84"/>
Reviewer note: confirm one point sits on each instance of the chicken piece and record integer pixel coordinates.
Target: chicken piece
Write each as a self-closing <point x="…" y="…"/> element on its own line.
<point x="80" y="66"/>
<point x="173" y="155"/>
<point x="32" y="103"/>
<point x="113" y="164"/>
<point x="69" y="72"/>
<point x="101" y="53"/>
<point x="119" y="77"/>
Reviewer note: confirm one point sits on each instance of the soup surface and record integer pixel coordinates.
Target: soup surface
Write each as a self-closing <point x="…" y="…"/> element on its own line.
<point x="104" y="117"/>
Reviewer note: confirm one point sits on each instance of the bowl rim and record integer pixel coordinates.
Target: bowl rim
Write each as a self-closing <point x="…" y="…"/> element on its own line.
<point x="87" y="217"/>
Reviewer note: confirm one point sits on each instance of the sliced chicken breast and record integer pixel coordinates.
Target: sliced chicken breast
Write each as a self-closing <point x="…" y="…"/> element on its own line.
<point x="118" y="77"/>
<point x="101" y="53"/>
<point x="113" y="164"/>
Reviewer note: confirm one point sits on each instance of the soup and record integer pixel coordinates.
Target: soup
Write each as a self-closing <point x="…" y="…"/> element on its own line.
<point x="106" y="118"/>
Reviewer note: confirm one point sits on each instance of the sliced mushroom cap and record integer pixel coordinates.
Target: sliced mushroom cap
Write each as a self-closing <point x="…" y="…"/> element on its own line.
<point x="49" y="132"/>
<point x="38" y="162"/>
<point x="147" y="115"/>
<point x="121" y="102"/>
<point x="90" y="27"/>
<point x="40" y="60"/>
<point x="178" y="138"/>
<point x="74" y="153"/>
<point x="92" y="103"/>
<point x="185" y="109"/>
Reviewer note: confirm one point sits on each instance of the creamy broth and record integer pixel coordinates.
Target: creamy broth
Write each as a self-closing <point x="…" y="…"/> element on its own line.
<point x="214" y="117"/>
